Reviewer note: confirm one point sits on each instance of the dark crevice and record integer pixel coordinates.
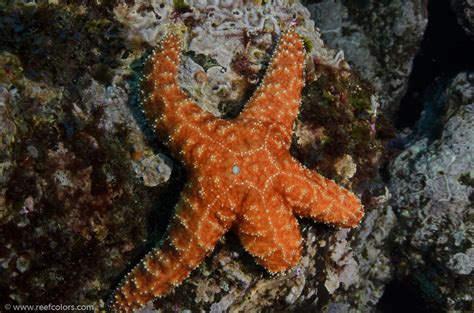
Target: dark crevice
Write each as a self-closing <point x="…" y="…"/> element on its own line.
<point x="404" y="296"/>
<point x="445" y="51"/>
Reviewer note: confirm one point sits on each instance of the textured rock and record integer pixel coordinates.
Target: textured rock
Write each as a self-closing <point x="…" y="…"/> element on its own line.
<point x="378" y="38"/>
<point x="432" y="190"/>
<point x="372" y="256"/>
<point x="67" y="186"/>
<point x="464" y="10"/>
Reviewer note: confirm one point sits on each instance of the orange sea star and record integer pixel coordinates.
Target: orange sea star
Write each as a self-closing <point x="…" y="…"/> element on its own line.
<point x="241" y="174"/>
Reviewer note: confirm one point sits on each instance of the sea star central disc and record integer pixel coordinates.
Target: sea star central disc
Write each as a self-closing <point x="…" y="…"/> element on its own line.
<point x="240" y="174"/>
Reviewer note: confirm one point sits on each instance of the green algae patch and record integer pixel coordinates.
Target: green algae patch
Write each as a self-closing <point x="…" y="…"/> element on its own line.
<point x="180" y="5"/>
<point x="466" y="180"/>
<point x="308" y="45"/>
<point x="342" y="116"/>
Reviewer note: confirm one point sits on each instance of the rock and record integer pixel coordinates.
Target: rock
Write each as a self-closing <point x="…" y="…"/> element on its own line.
<point x="464" y="11"/>
<point x="379" y="39"/>
<point x="7" y="139"/>
<point x="368" y="263"/>
<point x="461" y="263"/>
<point x="68" y="190"/>
<point x="153" y="170"/>
<point x="432" y="190"/>
<point x="345" y="167"/>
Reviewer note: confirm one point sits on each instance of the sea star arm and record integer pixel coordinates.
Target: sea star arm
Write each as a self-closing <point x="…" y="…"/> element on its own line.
<point x="192" y="234"/>
<point x="173" y="114"/>
<point x="277" y="99"/>
<point x="314" y="196"/>
<point x="269" y="231"/>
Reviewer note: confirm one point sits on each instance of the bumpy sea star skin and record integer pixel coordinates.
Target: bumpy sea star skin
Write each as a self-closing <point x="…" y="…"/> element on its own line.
<point x="240" y="174"/>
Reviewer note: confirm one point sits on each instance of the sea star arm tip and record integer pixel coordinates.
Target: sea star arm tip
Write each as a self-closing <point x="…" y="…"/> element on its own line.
<point x="314" y="196"/>
<point x="172" y="112"/>
<point x="277" y="99"/>
<point x="270" y="232"/>
<point x="192" y="235"/>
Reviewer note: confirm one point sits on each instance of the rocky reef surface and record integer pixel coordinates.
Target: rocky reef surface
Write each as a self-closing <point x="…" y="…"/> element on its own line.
<point x="432" y="187"/>
<point x="86" y="188"/>
<point x="75" y="166"/>
<point x="464" y="11"/>
<point x="379" y="38"/>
